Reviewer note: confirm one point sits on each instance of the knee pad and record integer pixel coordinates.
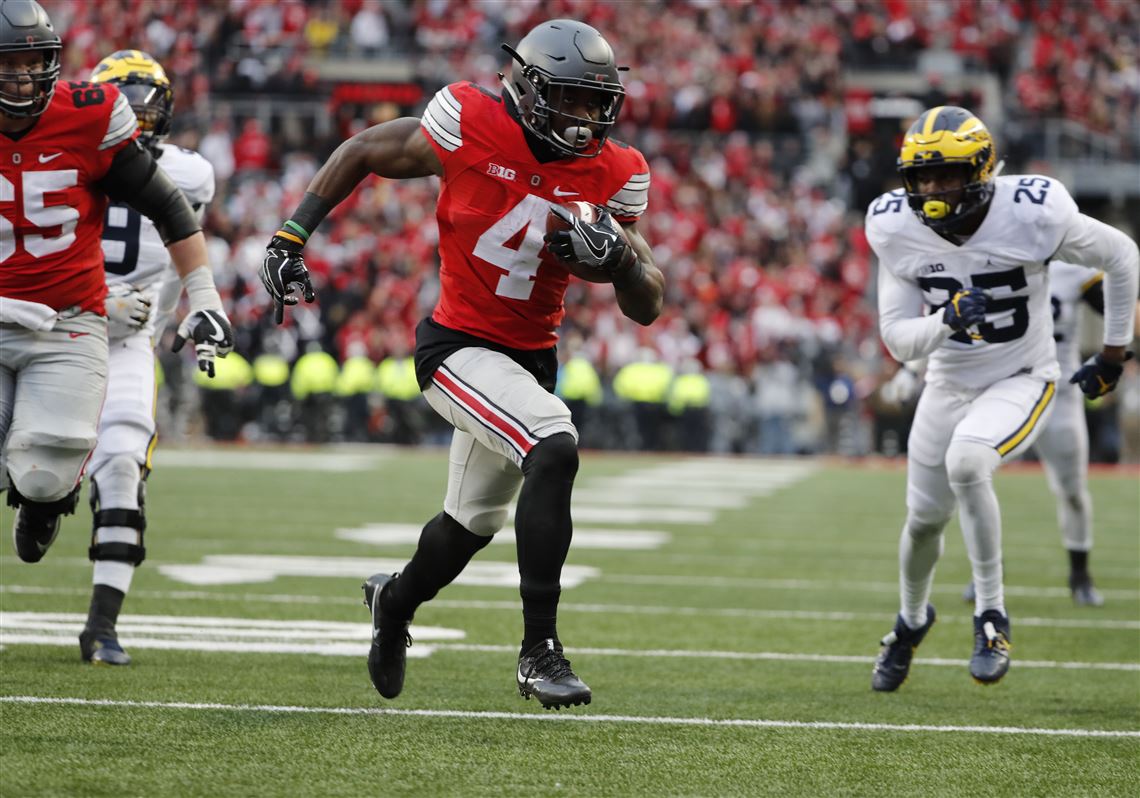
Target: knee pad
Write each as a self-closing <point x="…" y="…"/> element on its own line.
<point x="43" y="486"/>
<point x="924" y="525"/>
<point x="485" y="523"/>
<point x="555" y="457"/>
<point x="970" y="462"/>
<point x="121" y="476"/>
<point x="64" y="506"/>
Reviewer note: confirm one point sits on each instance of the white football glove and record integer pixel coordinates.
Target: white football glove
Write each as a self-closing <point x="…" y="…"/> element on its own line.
<point x="128" y="309"/>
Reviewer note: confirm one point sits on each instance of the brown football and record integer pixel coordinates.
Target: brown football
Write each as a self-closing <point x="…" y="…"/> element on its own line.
<point x="586" y="211"/>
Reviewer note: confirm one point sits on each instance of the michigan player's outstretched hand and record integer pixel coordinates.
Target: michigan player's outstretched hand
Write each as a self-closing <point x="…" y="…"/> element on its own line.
<point x="596" y="245"/>
<point x="128" y="309"/>
<point x="211" y="333"/>
<point x="965" y="310"/>
<point x="1099" y="376"/>
<point x="281" y="272"/>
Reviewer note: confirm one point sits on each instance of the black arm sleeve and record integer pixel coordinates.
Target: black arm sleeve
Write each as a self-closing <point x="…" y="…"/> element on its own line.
<point x="134" y="178"/>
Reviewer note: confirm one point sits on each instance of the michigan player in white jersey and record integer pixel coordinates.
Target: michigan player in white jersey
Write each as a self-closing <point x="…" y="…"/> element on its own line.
<point x="963" y="280"/>
<point x="1063" y="446"/>
<point x="143" y="294"/>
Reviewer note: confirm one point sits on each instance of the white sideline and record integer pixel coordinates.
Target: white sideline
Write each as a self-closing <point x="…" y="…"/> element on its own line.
<point x="569" y="718"/>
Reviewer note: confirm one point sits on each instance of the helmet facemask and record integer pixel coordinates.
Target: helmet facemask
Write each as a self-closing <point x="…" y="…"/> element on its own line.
<point x="941" y="210"/>
<point x="16" y="105"/>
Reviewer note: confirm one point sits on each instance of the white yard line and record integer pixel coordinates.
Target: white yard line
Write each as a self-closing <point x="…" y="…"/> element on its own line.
<point x="782" y="656"/>
<point x="630" y="609"/>
<point x="757" y="723"/>
<point x="340" y="638"/>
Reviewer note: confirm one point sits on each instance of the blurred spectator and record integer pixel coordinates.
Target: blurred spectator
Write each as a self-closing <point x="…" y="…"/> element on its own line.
<point x="252" y="149"/>
<point x="762" y="154"/>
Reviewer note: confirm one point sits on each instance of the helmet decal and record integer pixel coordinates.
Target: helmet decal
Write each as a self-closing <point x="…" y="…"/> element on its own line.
<point x="144" y="83"/>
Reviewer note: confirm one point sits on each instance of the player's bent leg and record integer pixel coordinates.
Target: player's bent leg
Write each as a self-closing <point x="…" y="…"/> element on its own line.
<point x="930" y="503"/>
<point x="543" y="530"/>
<point x="1002" y="422"/>
<point x="36" y="523"/>
<point x="54" y="406"/>
<point x="118" y="506"/>
<point x="119" y="467"/>
<point x="481" y="485"/>
<point x="1063" y="448"/>
<point x="970" y="466"/>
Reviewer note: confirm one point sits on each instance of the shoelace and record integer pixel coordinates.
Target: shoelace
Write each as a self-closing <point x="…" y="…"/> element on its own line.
<point x="994" y="638"/>
<point x="552" y="664"/>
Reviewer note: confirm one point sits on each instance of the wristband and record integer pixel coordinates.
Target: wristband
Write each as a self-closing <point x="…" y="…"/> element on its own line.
<point x="300" y="226"/>
<point x="200" y="290"/>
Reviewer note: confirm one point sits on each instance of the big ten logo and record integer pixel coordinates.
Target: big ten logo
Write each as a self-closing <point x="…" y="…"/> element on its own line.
<point x="932" y="268"/>
<point x="495" y="170"/>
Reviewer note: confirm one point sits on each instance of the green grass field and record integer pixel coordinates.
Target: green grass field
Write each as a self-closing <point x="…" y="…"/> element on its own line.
<point x="725" y="613"/>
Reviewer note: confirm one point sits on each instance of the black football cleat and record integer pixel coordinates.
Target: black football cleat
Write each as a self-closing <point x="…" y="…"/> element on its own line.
<point x="388" y="655"/>
<point x="893" y="663"/>
<point x="33" y="533"/>
<point x="545" y="674"/>
<point x="991" y="647"/>
<point x="102" y="647"/>
<point x="1084" y="594"/>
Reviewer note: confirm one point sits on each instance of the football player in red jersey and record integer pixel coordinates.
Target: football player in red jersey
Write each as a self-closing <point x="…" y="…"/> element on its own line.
<point x="485" y="357"/>
<point x="64" y="149"/>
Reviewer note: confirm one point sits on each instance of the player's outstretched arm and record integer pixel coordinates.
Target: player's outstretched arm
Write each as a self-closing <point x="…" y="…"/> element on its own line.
<point x="394" y="149"/>
<point x="1101" y="246"/>
<point x="134" y="178"/>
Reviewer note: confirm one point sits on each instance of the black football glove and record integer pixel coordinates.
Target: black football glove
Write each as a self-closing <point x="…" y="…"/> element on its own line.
<point x="282" y="270"/>
<point x="595" y="245"/>
<point x="966" y="309"/>
<point x="211" y="333"/>
<point x="1099" y="376"/>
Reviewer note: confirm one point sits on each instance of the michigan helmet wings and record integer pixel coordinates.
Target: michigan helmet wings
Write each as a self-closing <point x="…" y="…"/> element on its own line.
<point x="144" y="83"/>
<point x="945" y="136"/>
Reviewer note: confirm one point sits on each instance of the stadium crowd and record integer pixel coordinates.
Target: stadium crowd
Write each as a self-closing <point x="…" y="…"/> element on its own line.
<point x="761" y="171"/>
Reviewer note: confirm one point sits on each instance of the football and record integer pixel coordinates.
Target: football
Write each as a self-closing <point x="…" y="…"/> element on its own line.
<point x="585" y="211"/>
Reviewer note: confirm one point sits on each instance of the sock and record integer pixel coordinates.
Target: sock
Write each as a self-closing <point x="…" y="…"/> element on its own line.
<point x="920" y="546"/>
<point x="106" y="602"/>
<point x="1078" y="562"/>
<point x="113" y="573"/>
<point x="543" y="529"/>
<point x="444" y="550"/>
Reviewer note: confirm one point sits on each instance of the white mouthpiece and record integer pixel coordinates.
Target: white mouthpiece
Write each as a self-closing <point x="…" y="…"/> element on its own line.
<point x="577" y="136"/>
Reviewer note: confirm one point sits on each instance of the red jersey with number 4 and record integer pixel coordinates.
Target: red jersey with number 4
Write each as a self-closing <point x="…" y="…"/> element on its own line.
<point x="496" y="280"/>
<point x="51" y="210"/>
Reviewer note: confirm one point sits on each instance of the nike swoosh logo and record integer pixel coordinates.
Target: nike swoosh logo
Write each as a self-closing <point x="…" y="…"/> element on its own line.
<point x="528" y="679"/>
<point x="218" y="336"/>
<point x="559" y="193"/>
<point x="46" y="158"/>
<point x="78" y="335"/>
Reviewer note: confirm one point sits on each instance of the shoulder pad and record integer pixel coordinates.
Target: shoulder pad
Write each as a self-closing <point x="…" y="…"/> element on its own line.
<point x="886" y="216"/>
<point x="1036" y="199"/>
<point x="628" y="166"/>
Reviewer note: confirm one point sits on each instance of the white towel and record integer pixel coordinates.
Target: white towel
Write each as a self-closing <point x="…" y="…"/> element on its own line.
<point x="32" y="315"/>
